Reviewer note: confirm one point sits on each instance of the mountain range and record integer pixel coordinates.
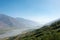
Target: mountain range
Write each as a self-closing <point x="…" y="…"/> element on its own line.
<point x="23" y="29"/>
<point x="47" y="32"/>
<point x="10" y="24"/>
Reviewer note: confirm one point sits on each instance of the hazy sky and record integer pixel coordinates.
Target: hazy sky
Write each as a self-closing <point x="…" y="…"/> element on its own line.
<point x="41" y="11"/>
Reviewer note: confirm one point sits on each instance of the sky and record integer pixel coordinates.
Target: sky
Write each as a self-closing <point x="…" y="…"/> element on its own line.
<point x="41" y="11"/>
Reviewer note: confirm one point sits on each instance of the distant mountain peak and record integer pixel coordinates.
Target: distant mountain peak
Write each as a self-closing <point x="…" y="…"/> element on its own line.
<point x="3" y="15"/>
<point x="8" y="23"/>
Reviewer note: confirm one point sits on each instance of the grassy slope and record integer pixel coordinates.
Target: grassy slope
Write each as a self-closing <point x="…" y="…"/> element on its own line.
<point x="47" y="32"/>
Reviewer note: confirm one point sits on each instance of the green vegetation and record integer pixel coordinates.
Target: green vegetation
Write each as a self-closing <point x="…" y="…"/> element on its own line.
<point x="47" y="32"/>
